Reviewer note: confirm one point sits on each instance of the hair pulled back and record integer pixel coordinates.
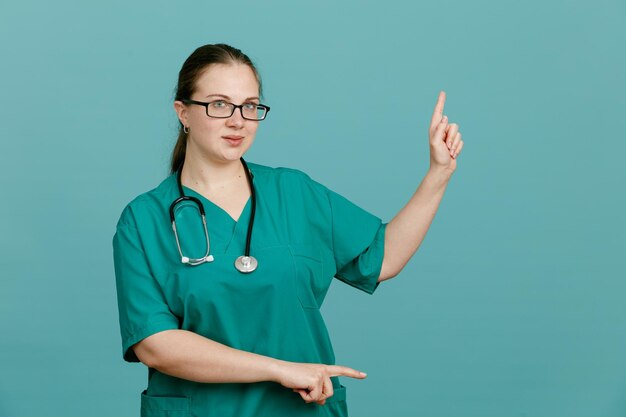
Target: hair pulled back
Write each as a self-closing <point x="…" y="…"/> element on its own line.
<point x="191" y="70"/>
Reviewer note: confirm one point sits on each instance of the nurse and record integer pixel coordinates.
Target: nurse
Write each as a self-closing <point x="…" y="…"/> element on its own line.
<point x="221" y="342"/>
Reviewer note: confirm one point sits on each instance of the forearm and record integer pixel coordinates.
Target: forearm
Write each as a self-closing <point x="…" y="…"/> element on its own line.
<point x="187" y="355"/>
<point x="406" y="231"/>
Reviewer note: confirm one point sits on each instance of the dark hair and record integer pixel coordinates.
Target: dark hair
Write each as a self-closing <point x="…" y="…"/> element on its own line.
<point x="191" y="70"/>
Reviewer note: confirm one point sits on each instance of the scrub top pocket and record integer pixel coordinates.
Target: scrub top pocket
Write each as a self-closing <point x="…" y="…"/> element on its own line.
<point x="152" y="406"/>
<point x="336" y="405"/>
<point x="309" y="274"/>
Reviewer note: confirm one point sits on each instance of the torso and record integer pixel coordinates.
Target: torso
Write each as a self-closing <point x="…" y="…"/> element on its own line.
<point x="275" y="311"/>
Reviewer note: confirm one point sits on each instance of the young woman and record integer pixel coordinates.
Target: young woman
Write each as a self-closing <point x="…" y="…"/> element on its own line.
<point x="221" y="270"/>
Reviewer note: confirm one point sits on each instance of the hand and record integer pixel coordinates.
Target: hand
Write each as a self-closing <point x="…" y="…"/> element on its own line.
<point x="445" y="139"/>
<point x="312" y="380"/>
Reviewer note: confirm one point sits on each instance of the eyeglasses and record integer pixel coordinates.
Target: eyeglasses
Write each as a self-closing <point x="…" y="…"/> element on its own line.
<point x="223" y="109"/>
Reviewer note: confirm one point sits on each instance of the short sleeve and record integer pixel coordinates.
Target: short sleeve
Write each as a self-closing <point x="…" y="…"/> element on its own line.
<point x="142" y="307"/>
<point x="358" y="240"/>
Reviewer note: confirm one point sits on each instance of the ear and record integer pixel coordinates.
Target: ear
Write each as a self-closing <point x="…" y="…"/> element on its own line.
<point x="181" y="111"/>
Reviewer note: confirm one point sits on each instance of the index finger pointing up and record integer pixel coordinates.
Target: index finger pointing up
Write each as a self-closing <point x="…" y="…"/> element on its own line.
<point x="438" y="113"/>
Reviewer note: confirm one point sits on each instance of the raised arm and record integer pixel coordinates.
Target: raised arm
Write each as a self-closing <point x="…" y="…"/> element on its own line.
<point x="406" y="231"/>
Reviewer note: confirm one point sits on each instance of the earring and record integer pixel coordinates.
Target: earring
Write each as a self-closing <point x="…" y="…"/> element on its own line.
<point x="185" y="129"/>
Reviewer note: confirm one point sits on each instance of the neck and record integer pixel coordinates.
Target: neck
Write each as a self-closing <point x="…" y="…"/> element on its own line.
<point x="209" y="175"/>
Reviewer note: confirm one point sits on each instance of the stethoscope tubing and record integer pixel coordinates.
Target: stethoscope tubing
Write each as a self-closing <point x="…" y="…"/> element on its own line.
<point x="198" y="203"/>
<point x="253" y="206"/>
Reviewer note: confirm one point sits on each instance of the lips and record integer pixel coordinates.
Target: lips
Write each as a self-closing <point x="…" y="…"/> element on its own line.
<point x="233" y="140"/>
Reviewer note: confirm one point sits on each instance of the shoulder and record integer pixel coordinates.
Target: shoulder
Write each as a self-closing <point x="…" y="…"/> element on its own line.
<point x="281" y="172"/>
<point x="285" y="176"/>
<point x="151" y="202"/>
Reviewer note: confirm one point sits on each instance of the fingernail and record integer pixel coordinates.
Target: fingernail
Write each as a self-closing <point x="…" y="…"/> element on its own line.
<point x="363" y="373"/>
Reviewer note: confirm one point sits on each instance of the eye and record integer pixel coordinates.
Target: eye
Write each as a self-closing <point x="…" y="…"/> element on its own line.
<point x="218" y="104"/>
<point x="250" y="106"/>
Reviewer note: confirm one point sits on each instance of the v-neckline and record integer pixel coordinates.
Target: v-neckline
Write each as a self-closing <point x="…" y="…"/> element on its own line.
<point x="235" y="225"/>
<point x="219" y="209"/>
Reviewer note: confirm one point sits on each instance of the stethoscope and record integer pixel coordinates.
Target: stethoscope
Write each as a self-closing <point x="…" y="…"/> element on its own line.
<point x="244" y="263"/>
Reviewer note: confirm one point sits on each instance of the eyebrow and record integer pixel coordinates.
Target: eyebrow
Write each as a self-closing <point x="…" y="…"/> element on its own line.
<point x="225" y="96"/>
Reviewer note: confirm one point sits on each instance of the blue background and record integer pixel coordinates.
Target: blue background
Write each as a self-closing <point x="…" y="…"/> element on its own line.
<point x="514" y="303"/>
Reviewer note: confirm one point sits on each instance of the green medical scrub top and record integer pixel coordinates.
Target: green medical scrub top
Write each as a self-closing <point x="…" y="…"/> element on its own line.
<point x="303" y="235"/>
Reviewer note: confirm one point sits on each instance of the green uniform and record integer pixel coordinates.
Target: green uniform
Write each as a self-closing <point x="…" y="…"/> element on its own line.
<point x="303" y="235"/>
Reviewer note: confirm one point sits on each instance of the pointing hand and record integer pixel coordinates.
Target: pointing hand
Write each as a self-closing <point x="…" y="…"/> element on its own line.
<point x="445" y="138"/>
<point x="312" y="380"/>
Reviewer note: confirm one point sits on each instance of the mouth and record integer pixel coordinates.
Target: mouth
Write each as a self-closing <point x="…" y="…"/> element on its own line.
<point x="233" y="139"/>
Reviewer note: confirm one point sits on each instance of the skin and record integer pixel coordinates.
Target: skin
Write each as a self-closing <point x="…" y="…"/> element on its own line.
<point x="213" y="169"/>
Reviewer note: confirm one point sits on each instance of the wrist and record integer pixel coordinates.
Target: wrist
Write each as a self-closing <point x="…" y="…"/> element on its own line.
<point x="439" y="175"/>
<point x="275" y="369"/>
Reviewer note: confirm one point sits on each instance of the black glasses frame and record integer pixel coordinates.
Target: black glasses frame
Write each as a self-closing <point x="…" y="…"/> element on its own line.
<point x="234" y="106"/>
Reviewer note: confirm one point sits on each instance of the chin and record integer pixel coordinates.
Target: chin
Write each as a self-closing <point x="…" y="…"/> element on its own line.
<point x="233" y="154"/>
<point x="236" y="152"/>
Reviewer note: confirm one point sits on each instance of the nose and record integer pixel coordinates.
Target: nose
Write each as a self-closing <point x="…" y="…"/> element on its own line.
<point x="236" y="119"/>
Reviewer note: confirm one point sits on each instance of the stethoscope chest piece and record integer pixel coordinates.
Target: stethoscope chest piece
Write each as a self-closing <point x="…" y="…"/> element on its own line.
<point x="246" y="264"/>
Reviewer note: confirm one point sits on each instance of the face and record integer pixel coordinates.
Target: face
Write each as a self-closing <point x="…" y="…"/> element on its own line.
<point x="220" y="140"/>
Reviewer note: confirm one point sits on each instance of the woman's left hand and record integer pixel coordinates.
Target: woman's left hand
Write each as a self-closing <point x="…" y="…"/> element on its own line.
<point x="445" y="138"/>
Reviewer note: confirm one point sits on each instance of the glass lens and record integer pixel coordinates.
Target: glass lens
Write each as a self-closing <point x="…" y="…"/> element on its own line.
<point x="253" y="111"/>
<point x="219" y="109"/>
